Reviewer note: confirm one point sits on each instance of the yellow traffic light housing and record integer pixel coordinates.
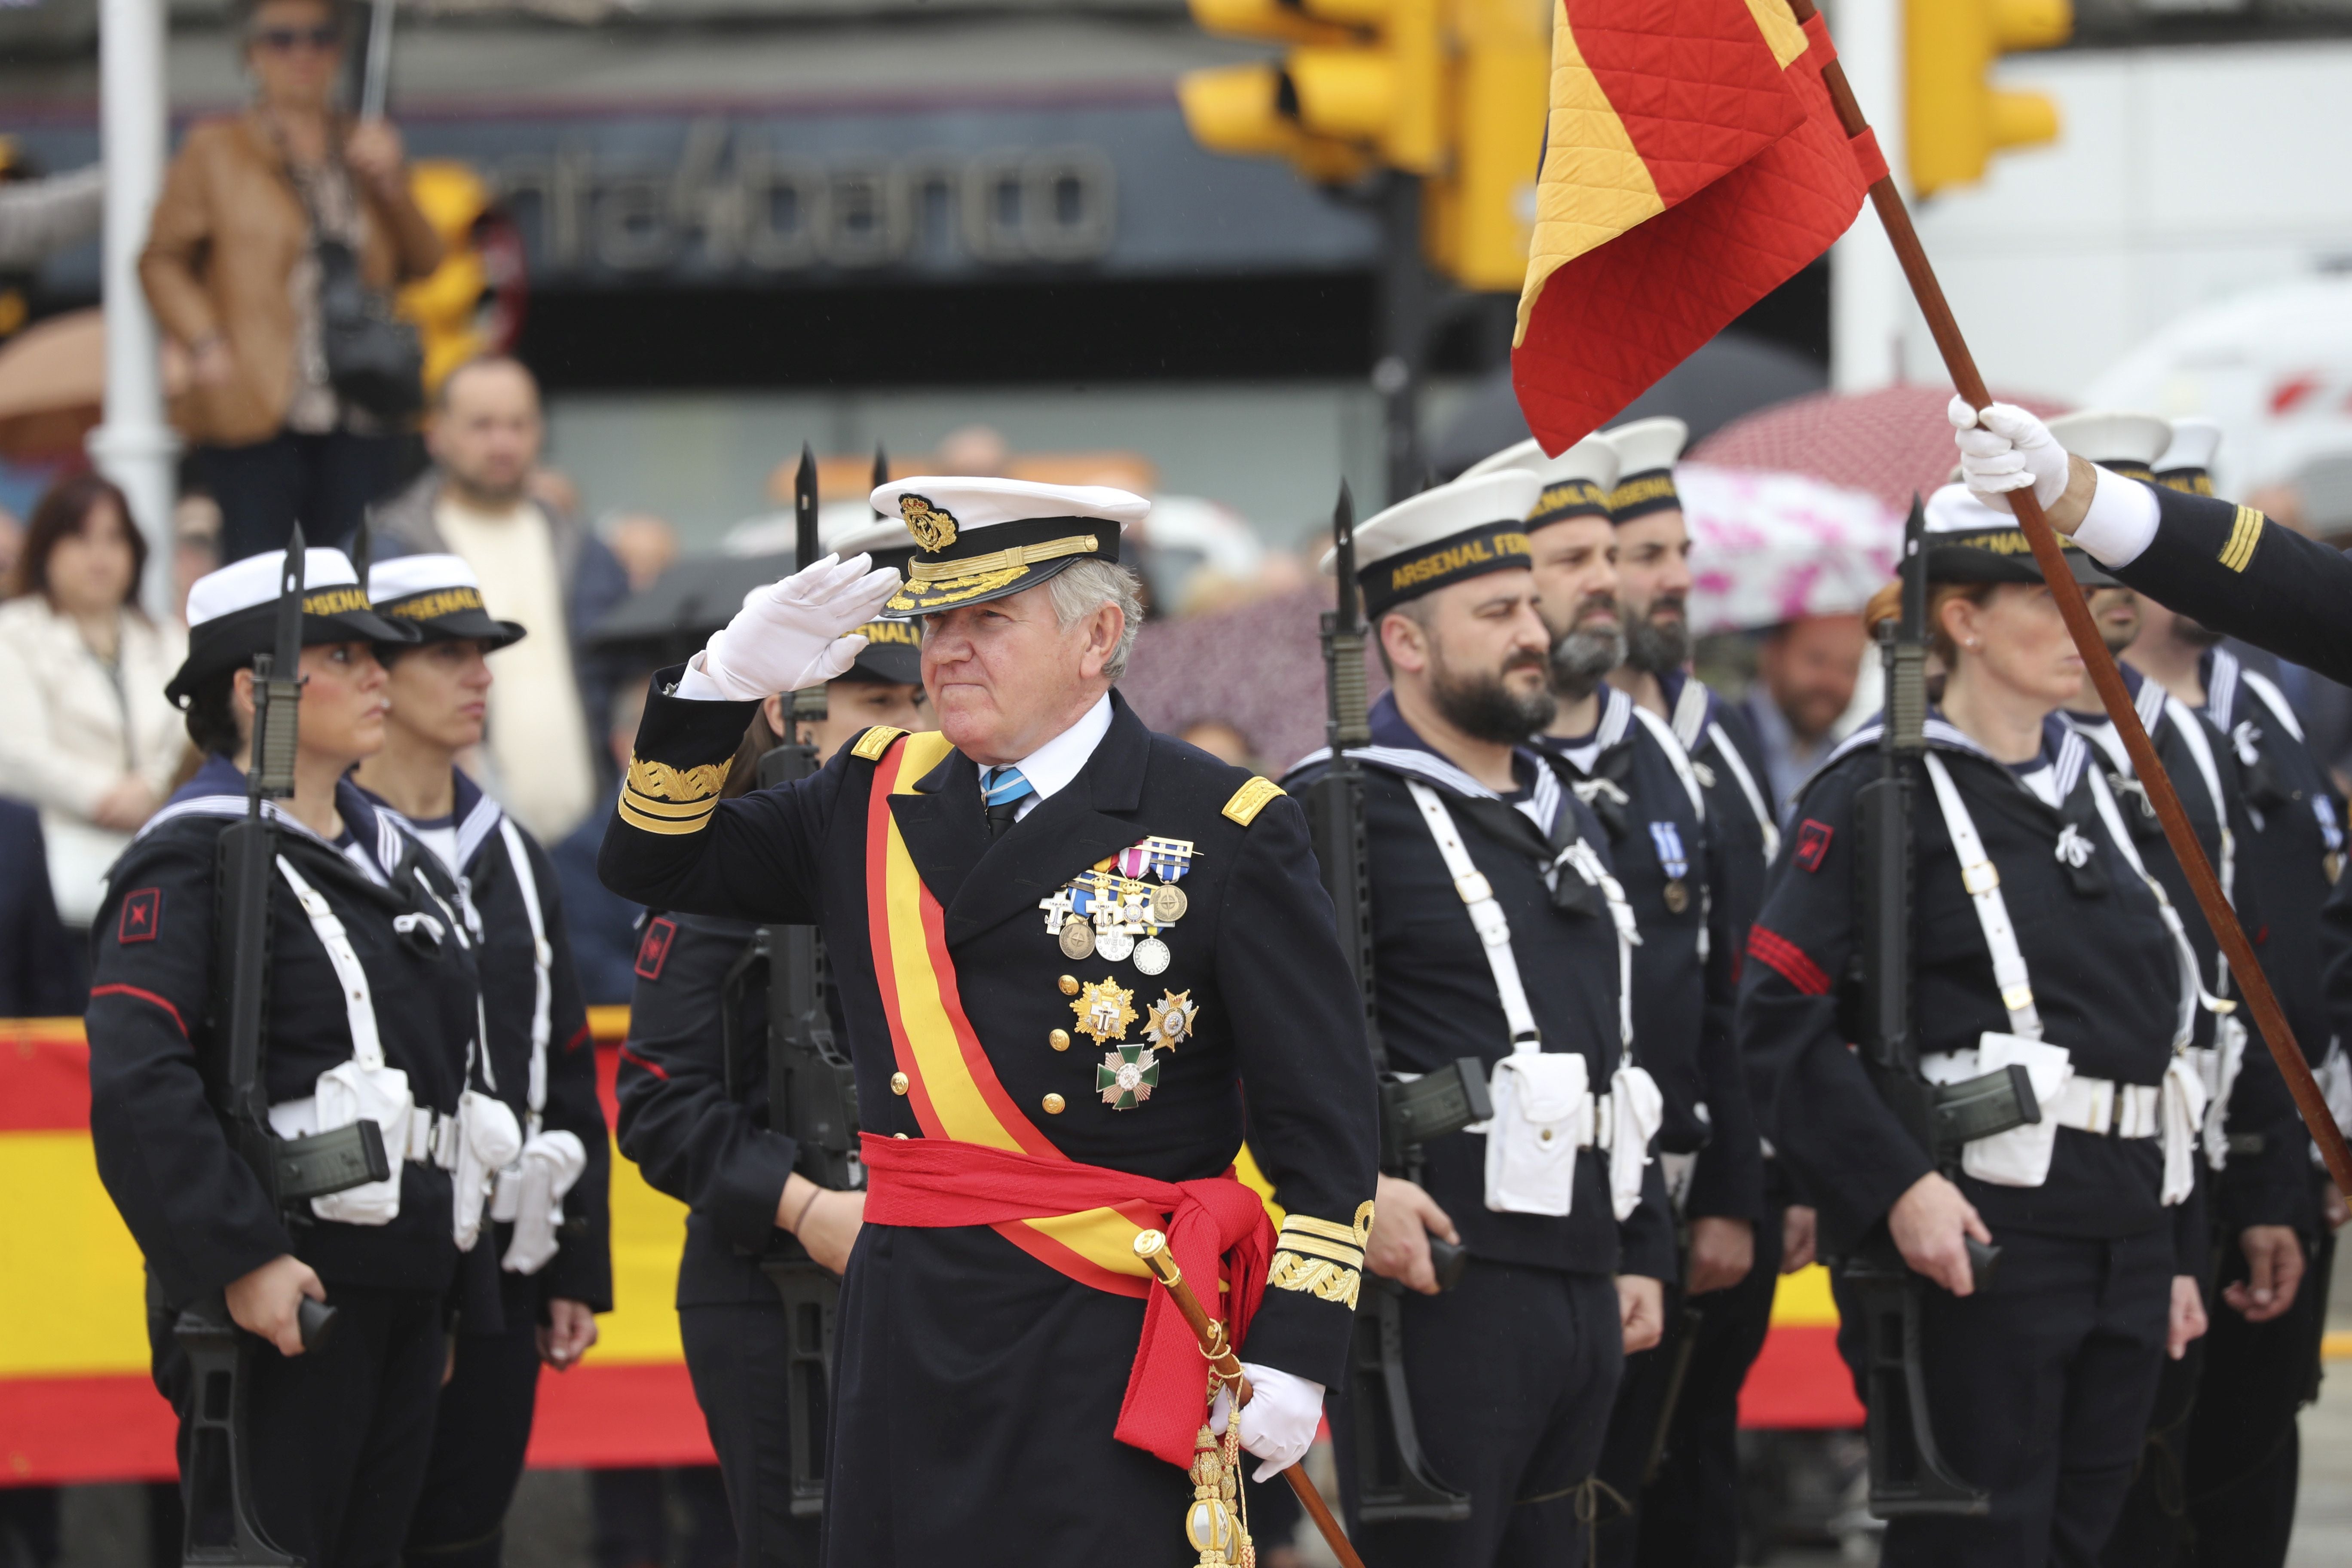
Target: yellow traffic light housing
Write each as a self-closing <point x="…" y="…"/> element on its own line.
<point x="1477" y="216"/>
<point x="1245" y="111"/>
<point x="1365" y="83"/>
<point x="1956" y="120"/>
<point x="447" y="304"/>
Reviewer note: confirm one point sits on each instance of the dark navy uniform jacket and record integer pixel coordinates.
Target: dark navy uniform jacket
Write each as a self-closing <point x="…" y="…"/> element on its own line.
<point x="710" y="1149"/>
<point x="2104" y="968"/>
<point x="1744" y="857"/>
<point x="197" y="1211"/>
<point x="1279" y="1018"/>
<point x="1683" y="977"/>
<point x="1436" y="997"/>
<point x="582" y="1268"/>
<point x="2233" y="569"/>
<point x="2267" y="1180"/>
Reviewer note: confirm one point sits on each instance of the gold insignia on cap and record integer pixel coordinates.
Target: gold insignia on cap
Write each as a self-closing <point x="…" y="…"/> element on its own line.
<point x="1250" y="799"/>
<point x="934" y="527"/>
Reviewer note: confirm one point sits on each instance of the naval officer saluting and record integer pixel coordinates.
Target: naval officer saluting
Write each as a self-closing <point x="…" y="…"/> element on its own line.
<point x="1066" y="951"/>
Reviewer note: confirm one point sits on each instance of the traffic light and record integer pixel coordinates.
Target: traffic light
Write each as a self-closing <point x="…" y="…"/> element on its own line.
<point x="1956" y="120"/>
<point x="455" y="306"/>
<point x="1477" y="214"/>
<point x="1365" y="84"/>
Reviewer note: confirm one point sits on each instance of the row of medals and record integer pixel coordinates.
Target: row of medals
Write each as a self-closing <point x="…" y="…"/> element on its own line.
<point x="1122" y="919"/>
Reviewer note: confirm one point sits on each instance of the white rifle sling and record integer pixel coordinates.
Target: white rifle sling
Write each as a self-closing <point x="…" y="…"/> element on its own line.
<point x="1690" y="723"/>
<point x="531" y="1192"/>
<point x="1981" y="878"/>
<point x="1634" y="1110"/>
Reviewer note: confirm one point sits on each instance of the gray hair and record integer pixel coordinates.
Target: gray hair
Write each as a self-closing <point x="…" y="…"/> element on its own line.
<point x="1087" y="587"/>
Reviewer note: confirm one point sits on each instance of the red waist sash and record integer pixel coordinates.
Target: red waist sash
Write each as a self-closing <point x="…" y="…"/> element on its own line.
<point x="1216" y="1228"/>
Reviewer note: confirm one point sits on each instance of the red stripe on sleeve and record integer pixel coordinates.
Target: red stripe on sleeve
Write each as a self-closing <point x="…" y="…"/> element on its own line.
<point x="636" y="1060"/>
<point x="178" y="1022"/>
<point x="1787" y="960"/>
<point x="578" y="1040"/>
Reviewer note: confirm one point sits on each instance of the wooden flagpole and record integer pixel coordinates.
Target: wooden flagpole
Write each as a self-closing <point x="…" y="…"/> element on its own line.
<point x="2105" y="676"/>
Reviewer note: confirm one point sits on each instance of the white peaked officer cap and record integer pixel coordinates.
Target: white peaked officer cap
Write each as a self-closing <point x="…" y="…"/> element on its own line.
<point x="1475" y="525"/>
<point x="1968" y="541"/>
<point x="440" y="596"/>
<point x="1575" y="484"/>
<point x="2127" y="443"/>
<point x="233" y="614"/>
<point x="1647" y="450"/>
<point x="2188" y="463"/>
<point x="982" y="539"/>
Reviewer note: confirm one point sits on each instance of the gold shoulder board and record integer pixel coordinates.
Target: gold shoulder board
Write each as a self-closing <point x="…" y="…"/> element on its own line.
<point x="873" y="743"/>
<point x="1250" y="799"/>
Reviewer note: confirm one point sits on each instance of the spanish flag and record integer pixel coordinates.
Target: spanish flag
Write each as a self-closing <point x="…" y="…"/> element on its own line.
<point x="1693" y="163"/>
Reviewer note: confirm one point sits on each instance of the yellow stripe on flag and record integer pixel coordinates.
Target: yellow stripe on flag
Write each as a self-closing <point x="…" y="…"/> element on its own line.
<point x="1803" y="1299"/>
<point x="72" y="1289"/>
<point x="1594" y="185"/>
<point x="1778" y="26"/>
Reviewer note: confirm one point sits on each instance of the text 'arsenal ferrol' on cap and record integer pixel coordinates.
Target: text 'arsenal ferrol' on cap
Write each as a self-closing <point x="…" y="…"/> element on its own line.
<point x="1456" y="532"/>
<point x="1577" y="483"/>
<point x="232" y="614"/>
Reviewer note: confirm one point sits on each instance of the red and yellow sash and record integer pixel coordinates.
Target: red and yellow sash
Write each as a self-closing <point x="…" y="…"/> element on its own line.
<point x="953" y="1089"/>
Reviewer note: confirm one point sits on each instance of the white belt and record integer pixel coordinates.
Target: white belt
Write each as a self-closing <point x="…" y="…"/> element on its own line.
<point x="2098" y="1106"/>
<point x="432" y="1135"/>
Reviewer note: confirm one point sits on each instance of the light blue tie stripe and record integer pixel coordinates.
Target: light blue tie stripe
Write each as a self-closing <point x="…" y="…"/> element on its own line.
<point x="1001" y="786"/>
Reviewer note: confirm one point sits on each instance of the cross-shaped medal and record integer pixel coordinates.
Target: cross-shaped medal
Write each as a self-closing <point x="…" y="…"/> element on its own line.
<point x="1126" y="1076"/>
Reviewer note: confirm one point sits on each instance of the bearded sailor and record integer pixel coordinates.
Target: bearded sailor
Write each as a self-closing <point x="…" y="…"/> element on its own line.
<point x="1071" y="956"/>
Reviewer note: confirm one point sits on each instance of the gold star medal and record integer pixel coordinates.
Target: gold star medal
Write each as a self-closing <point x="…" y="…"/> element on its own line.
<point x="1126" y="1076"/>
<point x="1104" y="1010"/>
<point x="1170" y="1023"/>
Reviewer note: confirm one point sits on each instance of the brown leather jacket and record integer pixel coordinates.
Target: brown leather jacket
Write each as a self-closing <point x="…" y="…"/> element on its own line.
<point x="227" y="231"/>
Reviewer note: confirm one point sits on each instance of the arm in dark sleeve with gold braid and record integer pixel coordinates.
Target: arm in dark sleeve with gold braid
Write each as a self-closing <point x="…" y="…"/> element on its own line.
<point x="1306" y="1071"/>
<point x="674" y="845"/>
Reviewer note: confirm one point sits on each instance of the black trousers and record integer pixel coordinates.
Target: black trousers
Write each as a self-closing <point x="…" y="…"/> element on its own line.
<point x="480" y="1435"/>
<point x="2040" y="1389"/>
<point x="326" y="482"/>
<point x="338" y="1438"/>
<point x="737" y="1357"/>
<point x="2244" y="1451"/>
<point x="1686" y="1510"/>
<point x="1512" y="1373"/>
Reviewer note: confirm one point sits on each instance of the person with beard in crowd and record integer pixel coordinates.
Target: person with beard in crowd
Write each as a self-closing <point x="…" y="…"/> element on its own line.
<point x="2262" y="1359"/>
<point x="1624" y="762"/>
<point x="1806" y="671"/>
<point x="1499" y="934"/>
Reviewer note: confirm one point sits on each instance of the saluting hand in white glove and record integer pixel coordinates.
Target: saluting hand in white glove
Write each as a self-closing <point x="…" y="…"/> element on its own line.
<point x="797" y="633"/>
<point x="1278" y="1424"/>
<point x="2004" y="448"/>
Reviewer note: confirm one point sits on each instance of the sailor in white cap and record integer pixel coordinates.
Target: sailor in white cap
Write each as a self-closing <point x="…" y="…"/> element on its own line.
<point x="1065" y="950"/>
<point x="370" y="1014"/>
<point x="1500" y="936"/>
<point x="548" y="1229"/>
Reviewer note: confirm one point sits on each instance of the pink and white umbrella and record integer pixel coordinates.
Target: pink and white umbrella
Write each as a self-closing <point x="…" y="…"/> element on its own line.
<point x="1772" y="547"/>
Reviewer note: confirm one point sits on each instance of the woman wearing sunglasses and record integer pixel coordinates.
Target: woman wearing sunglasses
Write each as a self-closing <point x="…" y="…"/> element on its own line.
<point x="262" y="214"/>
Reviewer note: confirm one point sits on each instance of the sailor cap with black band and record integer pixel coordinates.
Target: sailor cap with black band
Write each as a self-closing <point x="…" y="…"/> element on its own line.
<point x="982" y="538"/>
<point x="1647" y="450"/>
<point x="1443" y="536"/>
<point x="1576" y="484"/>
<point x="2188" y="464"/>
<point x="1968" y="541"/>
<point x="893" y="654"/>
<point x="441" y="598"/>
<point x="2127" y="444"/>
<point x="233" y="614"/>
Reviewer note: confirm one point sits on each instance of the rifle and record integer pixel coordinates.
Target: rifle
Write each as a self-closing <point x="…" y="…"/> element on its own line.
<point x="1908" y="1475"/>
<point x="1393" y="1477"/>
<point x="811" y="1088"/>
<point x="221" y="1531"/>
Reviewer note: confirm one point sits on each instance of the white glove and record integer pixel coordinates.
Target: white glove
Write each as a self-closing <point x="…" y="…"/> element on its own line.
<point x="2004" y="448"/>
<point x="792" y="634"/>
<point x="1278" y="1423"/>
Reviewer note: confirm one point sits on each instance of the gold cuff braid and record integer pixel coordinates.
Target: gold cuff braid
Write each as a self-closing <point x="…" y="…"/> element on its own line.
<point x="1327" y="1279"/>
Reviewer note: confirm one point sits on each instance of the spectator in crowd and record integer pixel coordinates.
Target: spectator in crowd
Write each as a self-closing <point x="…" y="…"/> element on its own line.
<point x="195" y="546"/>
<point x="86" y="732"/>
<point x="646" y="545"/>
<point x="537" y="566"/>
<point x="12" y="544"/>
<point x="1805" y="675"/>
<point x="41" y="967"/>
<point x="233" y="266"/>
<point x="1223" y="740"/>
<point x="603" y="924"/>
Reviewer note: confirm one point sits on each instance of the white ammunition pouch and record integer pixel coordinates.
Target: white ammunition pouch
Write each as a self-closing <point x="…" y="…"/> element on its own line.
<point x="2173" y="1109"/>
<point x="531" y="1188"/>
<point x="1531" y="1147"/>
<point x="488" y="1139"/>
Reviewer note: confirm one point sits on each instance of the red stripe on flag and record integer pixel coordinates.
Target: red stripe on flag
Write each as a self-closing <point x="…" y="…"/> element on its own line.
<point x="1799" y="1383"/>
<point x="44" y="1082"/>
<point x="1787" y="960"/>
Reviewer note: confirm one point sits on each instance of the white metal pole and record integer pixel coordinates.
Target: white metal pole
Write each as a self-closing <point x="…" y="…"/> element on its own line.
<point x="1868" y="304"/>
<point x="134" y="446"/>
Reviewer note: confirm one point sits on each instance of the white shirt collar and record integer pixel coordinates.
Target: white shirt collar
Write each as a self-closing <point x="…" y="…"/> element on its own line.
<point x="1053" y="765"/>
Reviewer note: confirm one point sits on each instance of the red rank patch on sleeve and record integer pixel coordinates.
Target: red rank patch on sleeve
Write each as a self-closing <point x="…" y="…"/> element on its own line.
<point x="1813" y="843"/>
<point x="143" y="911"/>
<point x="653" y="951"/>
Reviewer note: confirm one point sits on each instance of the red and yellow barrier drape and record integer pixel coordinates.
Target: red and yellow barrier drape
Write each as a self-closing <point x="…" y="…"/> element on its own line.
<point x="76" y="1404"/>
